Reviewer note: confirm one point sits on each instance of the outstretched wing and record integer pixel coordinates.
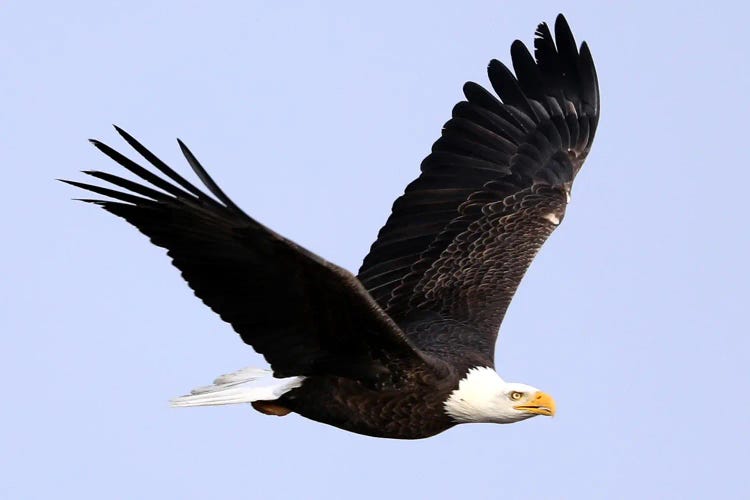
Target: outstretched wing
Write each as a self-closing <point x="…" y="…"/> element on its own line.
<point x="493" y="189"/>
<point x="304" y="314"/>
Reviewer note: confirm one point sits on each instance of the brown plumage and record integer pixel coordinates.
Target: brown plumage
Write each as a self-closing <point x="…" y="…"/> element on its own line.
<point x="382" y="352"/>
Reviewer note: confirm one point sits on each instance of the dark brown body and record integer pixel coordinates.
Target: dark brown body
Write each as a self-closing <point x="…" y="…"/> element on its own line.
<point x="410" y="407"/>
<point x="411" y="412"/>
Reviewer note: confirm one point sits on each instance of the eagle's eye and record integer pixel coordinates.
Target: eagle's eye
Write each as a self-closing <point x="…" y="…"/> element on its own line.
<point x="515" y="395"/>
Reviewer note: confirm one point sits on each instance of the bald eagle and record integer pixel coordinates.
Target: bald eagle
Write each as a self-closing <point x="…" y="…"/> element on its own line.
<point x="404" y="349"/>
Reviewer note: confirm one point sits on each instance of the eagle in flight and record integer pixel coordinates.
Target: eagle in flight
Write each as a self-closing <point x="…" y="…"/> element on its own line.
<point x="404" y="349"/>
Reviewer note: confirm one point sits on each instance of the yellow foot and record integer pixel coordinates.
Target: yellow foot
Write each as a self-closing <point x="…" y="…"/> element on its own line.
<point x="269" y="408"/>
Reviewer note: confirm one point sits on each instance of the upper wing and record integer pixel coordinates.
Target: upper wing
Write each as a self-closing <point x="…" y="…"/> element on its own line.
<point x="494" y="187"/>
<point x="304" y="314"/>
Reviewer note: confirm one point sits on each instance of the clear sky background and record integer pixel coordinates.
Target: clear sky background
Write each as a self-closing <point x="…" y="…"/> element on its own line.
<point x="314" y="116"/>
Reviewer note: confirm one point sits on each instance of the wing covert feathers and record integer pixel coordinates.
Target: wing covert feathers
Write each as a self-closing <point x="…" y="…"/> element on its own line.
<point x="459" y="240"/>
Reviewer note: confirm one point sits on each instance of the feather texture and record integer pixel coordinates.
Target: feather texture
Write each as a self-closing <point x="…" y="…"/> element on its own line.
<point x="476" y="212"/>
<point x="304" y="314"/>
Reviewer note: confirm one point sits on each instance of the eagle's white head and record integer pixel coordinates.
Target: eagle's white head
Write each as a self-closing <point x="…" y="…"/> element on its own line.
<point x="482" y="396"/>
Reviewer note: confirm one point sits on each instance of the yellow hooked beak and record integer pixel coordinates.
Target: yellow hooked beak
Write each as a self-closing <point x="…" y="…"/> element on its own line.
<point x="540" y="403"/>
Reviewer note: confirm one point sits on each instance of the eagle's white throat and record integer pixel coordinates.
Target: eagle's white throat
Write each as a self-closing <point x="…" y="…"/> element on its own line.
<point x="483" y="396"/>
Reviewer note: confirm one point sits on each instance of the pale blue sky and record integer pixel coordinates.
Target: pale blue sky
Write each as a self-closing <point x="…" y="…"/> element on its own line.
<point x="314" y="116"/>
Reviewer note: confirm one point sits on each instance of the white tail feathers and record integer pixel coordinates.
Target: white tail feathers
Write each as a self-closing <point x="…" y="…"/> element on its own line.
<point x="243" y="386"/>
